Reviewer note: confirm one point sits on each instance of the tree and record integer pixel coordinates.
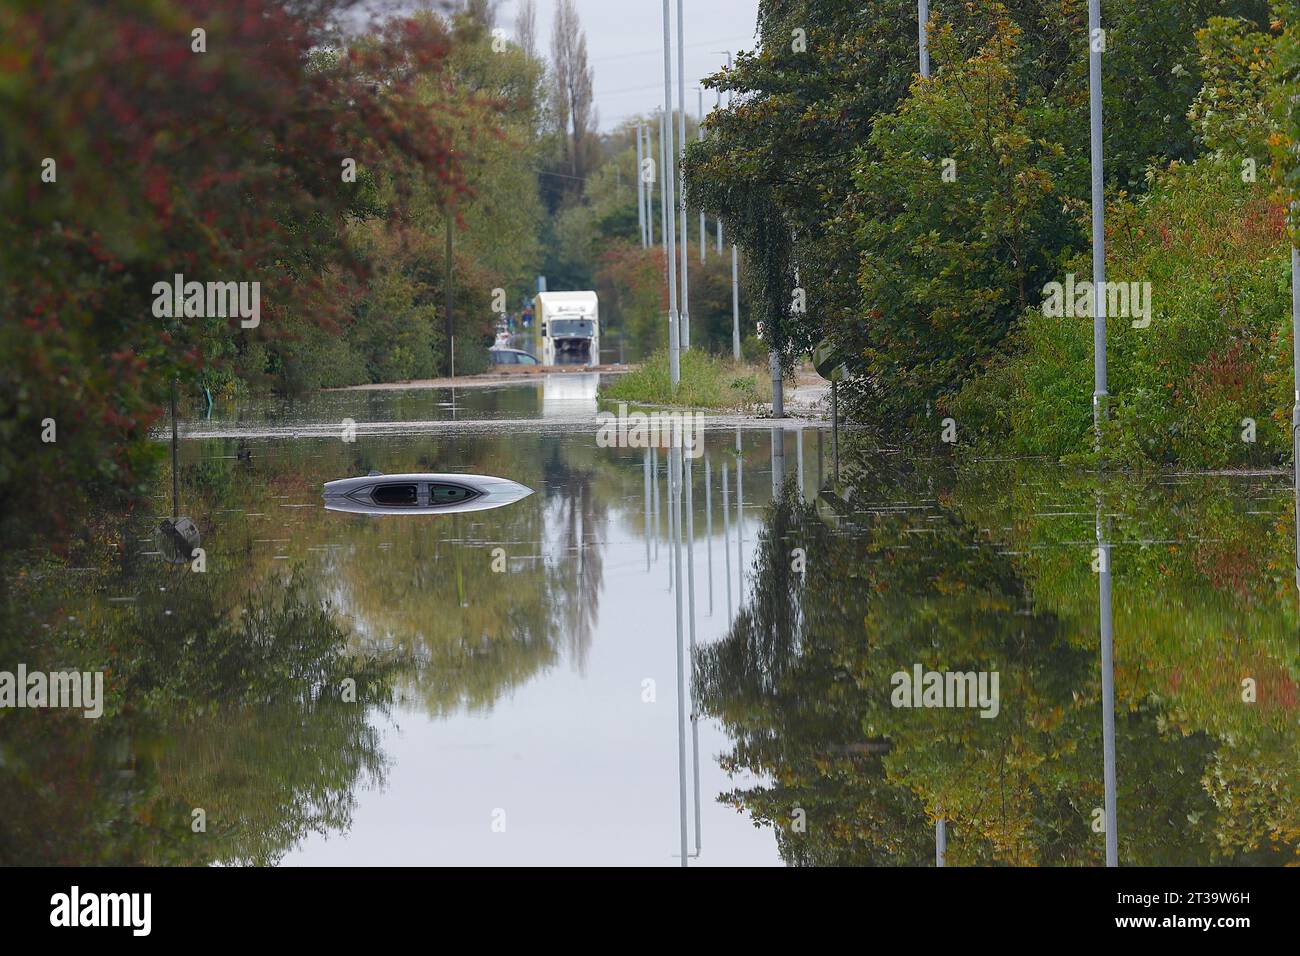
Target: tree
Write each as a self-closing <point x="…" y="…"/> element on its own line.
<point x="572" y="78"/>
<point x="526" y="28"/>
<point x="774" y="164"/>
<point x="779" y="164"/>
<point x="223" y="165"/>
<point x="957" y="221"/>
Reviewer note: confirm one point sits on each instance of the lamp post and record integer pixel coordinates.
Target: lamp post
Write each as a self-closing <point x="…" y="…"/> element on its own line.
<point x="922" y="18"/>
<point x="451" y="360"/>
<point x="1096" y="43"/>
<point x="684" y="323"/>
<point x="670" y="225"/>
<point x="1096" y="40"/>
<point x="640" y="190"/>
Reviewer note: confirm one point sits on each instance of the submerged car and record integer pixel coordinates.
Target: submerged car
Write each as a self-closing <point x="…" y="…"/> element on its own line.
<point x="505" y="356"/>
<point x="421" y="494"/>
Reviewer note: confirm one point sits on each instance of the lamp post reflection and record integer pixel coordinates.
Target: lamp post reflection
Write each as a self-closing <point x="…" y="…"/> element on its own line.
<point x="726" y="534"/>
<point x="645" y="470"/>
<point x="708" y="525"/>
<point x="674" y="454"/>
<point x="1107" y="685"/>
<point x="690" y="610"/>
<point x="799" y="459"/>
<point x="778" y="462"/>
<point x="740" y="522"/>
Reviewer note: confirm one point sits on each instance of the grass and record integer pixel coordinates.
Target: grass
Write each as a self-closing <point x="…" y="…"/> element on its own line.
<point x="706" y="382"/>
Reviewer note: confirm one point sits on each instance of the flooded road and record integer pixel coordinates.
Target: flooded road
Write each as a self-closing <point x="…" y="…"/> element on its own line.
<point x="501" y="687"/>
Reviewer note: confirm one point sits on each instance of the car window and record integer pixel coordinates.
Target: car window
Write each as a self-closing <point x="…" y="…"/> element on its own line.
<point x="576" y="328"/>
<point x="527" y="360"/>
<point x="403" y="495"/>
<point x="448" y="494"/>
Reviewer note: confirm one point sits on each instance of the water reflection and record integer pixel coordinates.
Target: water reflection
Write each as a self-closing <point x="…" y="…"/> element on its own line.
<point x="994" y="577"/>
<point x="526" y="659"/>
<point x="228" y="736"/>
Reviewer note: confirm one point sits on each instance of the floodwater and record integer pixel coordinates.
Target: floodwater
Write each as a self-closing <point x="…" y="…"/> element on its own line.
<point x="501" y="687"/>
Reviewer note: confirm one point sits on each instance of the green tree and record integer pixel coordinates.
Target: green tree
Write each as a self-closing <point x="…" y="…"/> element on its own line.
<point x="957" y="220"/>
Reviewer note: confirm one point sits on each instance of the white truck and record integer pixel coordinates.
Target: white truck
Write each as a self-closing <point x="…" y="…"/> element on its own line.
<point x="568" y="327"/>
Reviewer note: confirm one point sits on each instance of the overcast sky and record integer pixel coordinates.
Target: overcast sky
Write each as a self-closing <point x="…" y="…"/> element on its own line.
<point x="625" y="47"/>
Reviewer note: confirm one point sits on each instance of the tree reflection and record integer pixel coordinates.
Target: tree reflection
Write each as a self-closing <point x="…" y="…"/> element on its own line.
<point x="576" y="536"/>
<point x="904" y="567"/>
<point x="239" y="711"/>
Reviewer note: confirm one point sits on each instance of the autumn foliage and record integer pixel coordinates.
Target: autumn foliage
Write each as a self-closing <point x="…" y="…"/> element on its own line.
<point x="133" y="148"/>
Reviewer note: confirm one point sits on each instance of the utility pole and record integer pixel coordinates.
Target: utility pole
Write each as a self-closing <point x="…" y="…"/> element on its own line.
<point x="1096" y="44"/>
<point x="1096" y="40"/>
<point x="663" y="198"/>
<point x="649" y="193"/>
<point x="684" y="327"/>
<point x="735" y="306"/>
<point x="451" y="367"/>
<point x="670" y="238"/>
<point x="923" y="17"/>
<point x="640" y="190"/>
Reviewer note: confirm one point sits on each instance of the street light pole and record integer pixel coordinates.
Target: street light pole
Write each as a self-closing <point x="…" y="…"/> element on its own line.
<point x="684" y="326"/>
<point x="640" y="189"/>
<point x="670" y="238"/>
<point x="663" y="197"/>
<point x="1095" y="43"/>
<point x="923" y="17"/>
<point x="451" y="360"/>
<point x="735" y="306"/>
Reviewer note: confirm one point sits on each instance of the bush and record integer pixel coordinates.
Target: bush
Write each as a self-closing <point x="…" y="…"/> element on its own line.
<point x="706" y="382"/>
<point x="1217" y="350"/>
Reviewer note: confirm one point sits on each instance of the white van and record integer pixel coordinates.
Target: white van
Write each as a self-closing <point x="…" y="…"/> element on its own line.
<point x="568" y="328"/>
